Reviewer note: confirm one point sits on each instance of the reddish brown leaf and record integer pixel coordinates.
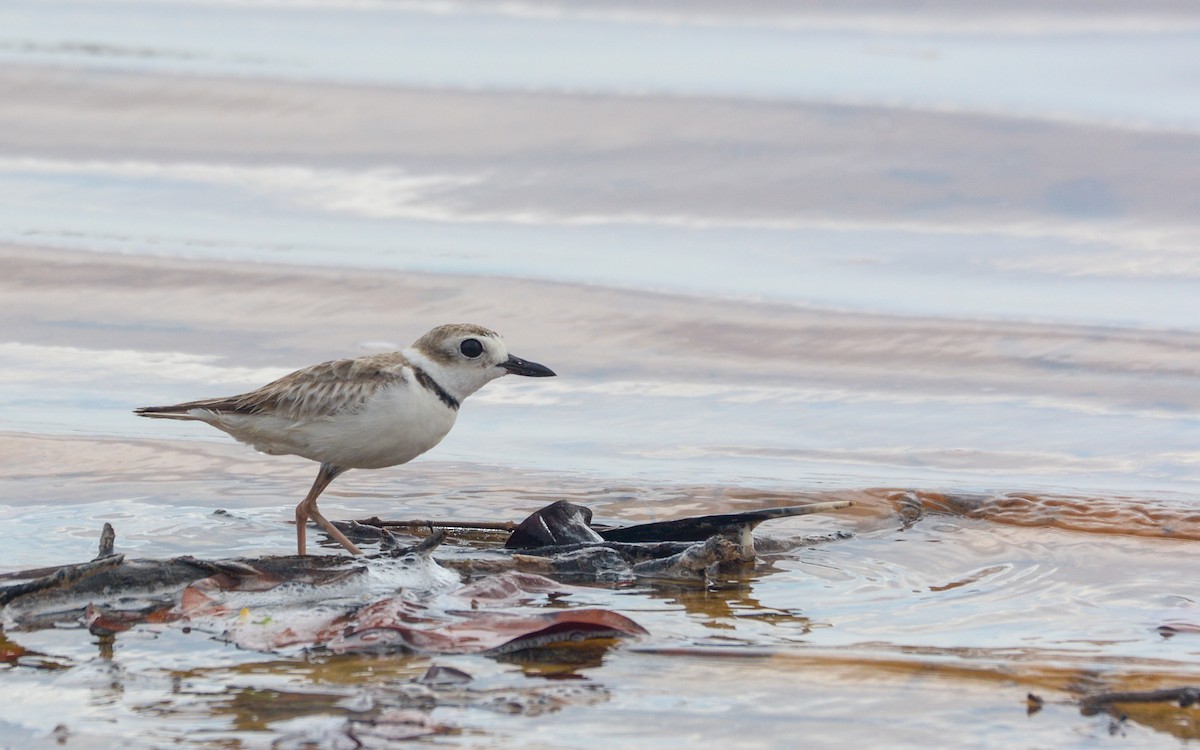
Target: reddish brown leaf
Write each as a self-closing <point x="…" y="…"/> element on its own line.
<point x="393" y="624"/>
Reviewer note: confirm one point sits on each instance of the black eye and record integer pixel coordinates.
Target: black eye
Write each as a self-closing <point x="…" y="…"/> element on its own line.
<point x="471" y="348"/>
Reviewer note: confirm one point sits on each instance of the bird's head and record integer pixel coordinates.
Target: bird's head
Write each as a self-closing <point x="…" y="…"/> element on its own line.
<point x="463" y="357"/>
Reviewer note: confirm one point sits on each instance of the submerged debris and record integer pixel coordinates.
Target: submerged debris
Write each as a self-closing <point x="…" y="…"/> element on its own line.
<point x="700" y="528"/>
<point x="699" y="560"/>
<point x="381" y="715"/>
<point x="396" y="624"/>
<point x="380" y="730"/>
<point x="560" y="539"/>
<point x="470" y="619"/>
<point x="342" y="604"/>
<point x="1033" y="703"/>
<point x="1184" y="697"/>
<point x="50" y="579"/>
<point x="555" y="525"/>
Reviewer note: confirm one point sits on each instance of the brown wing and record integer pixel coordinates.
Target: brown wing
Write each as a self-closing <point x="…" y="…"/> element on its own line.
<point x="318" y="391"/>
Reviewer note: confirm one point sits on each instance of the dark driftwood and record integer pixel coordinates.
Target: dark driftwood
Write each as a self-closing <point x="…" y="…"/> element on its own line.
<point x="699" y="528"/>
<point x="695" y="529"/>
<point x="57" y="578"/>
<point x="116" y="574"/>
<point x="559" y="537"/>
<point x="1184" y="696"/>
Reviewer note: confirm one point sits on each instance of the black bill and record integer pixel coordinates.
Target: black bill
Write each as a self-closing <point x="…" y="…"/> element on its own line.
<point x="518" y="366"/>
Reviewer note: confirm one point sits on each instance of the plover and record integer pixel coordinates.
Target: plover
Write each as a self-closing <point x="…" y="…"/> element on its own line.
<point x="364" y="413"/>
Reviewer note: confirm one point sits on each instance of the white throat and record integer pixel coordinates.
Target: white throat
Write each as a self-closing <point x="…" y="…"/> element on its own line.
<point x="458" y="381"/>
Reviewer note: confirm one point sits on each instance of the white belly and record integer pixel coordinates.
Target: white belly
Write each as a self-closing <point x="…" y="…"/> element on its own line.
<point x="394" y="427"/>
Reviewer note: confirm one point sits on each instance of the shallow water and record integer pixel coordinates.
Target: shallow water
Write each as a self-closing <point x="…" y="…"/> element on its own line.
<point x="941" y="264"/>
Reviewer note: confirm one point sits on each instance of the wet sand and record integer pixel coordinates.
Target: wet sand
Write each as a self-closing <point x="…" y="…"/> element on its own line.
<point x="183" y="329"/>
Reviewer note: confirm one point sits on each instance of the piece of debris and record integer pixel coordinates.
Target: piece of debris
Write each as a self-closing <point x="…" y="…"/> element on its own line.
<point x="393" y="625"/>
<point x="59" y="578"/>
<point x="475" y="618"/>
<point x="555" y="525"/>
<point x="440" y="676"/>
<point x="700" y="528"/>
<point x="399" y="599"/>
<point x="108" y="538"/>
<point x="1172" y="629"/>
<point x="701" y="560"/>
<point x="560" y="540"/>
<point x="1033" y="703"/>
<point x="1184" y="697"/>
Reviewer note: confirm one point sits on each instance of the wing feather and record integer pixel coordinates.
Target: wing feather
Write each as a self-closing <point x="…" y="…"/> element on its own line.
<point x="315" y="392"/>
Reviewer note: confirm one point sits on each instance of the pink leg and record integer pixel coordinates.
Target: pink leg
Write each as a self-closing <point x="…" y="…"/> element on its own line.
<point x="308" y="509"/>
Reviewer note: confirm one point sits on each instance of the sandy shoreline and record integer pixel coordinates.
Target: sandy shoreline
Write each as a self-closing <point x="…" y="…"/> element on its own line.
<point x="654" y="385"/>
<point x="281" y="315"/>
<point x="568" y="158"/>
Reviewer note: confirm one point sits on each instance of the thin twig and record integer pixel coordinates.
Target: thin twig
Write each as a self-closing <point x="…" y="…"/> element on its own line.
<point x="484" y="525"/>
